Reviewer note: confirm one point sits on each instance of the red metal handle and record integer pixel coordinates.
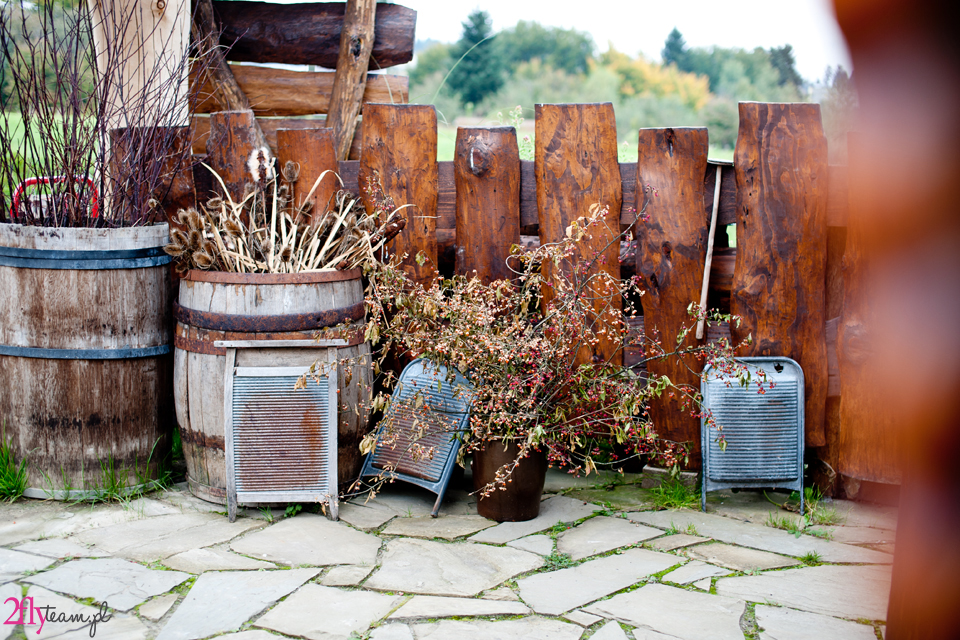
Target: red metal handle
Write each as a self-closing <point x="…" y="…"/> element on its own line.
<point x="30" y="182"/>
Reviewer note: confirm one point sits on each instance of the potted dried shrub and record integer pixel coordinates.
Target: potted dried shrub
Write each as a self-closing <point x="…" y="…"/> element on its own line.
<point x="535" y="404"/>
<point x="88" y="155"/>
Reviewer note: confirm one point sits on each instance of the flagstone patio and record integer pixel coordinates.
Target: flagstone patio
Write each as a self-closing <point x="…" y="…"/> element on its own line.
<point x="598" y="563"/>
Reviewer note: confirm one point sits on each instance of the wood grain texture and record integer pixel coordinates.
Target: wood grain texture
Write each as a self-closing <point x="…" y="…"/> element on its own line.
<point x="356" y="44"/>
<point x="487" y="169"/>
<point x="313" y="151"/>
<point x="233" y="139"/>
<point x="671" y="249"/>
<point x="400" y="149"/>
<point x="869" y="446"/>
<point x="65" y="416"/>
<point x="201" y="132"/>
<point x="284" y="92"/>
<point x="199" y="378"/>
<point x="576" y="167"/>
<point x="309" y="33"/>
<point x="778" y="284"/>
<point x="226" y="90"/>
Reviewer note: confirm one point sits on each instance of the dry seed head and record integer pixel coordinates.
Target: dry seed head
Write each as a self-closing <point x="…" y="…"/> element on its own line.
<point x="179" y="238"/>
<point x="203" y="260"/>
<point x="291" y="171"/>
<point x="209" y="247"/>
<point x="193" y="220"/>
<point x="174" y="249"/>
<point x="286" y="254"/>
<point x="232" y="227"/>
<point x="194" y="239"/>
<point x="215" y="203"/>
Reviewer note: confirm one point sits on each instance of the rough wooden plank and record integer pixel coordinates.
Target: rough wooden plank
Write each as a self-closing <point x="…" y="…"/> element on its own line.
<point x="833" y="364"/>
<point x="487" y="170"/>
<point x="400" y="149"/>
<point x="671" y="249"/>
<point x="836" y="242"/>
<point x="778" y="286"/>
<point x="576" y="167"/>
<point x="313" y="152"/>
<point x="309" y="33"/>
<point x="284" y="92"/>
<point x="356" y="44"/>
<point x="233" y="139"/>
<point x="838" y="201"/>
<point x="269" y="126"/>
<point x="869" y="447"/>
<point x="529" y="213"/>
<point x="446" y="196"/>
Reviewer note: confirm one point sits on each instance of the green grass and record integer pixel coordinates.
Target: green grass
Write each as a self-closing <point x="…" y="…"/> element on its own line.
<point x="811" y="558"/>
<point x="557" y="560"/>
<point x="13" y="477"/>
<point x="673" y="494"/>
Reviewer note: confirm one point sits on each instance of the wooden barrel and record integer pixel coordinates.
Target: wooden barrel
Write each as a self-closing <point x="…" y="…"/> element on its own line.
<point x="85" y="355"/>
<point x="239" y="306"/>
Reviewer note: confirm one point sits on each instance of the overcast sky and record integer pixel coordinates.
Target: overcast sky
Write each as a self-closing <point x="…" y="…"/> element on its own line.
<point x="642" y="25"/>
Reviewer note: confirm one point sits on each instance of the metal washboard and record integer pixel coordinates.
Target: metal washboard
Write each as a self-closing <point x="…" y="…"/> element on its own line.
<point x="434" y="426"/>
<point x="763" y="432"/>
<point x="281" y="442"/>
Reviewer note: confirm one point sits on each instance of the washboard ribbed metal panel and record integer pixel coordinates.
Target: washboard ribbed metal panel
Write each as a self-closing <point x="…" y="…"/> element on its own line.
<point x="280" y="442"/>
<point x="763" y="432"/>
<point x="418" y="444"/>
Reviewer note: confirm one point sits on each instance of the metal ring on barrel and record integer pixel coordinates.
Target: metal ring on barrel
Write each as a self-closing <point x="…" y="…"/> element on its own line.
<point x="86" y="260"/>
<point x="255" y="323"/>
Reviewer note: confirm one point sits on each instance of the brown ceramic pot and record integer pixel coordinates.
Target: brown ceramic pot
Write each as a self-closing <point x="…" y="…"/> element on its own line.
<point x="520" y="499"/>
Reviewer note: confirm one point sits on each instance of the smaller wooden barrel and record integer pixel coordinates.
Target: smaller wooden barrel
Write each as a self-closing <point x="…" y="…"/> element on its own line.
<point x="238" y="306"/>
<point x="85" y="355"/>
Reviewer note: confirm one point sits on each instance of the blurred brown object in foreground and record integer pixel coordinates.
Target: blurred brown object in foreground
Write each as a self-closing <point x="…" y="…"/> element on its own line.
<point x="906" y="58"/>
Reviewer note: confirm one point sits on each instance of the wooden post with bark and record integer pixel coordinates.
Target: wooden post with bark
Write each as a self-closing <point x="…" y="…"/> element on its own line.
<point x="778" y="283"/>
<point x="356" y="44"/>
<point x="313" y="151"/>
<point x="576" y="167"/>
<point x="400" y="150"/>
<point x="487" y="174"/>
<point x="671" y="248"/>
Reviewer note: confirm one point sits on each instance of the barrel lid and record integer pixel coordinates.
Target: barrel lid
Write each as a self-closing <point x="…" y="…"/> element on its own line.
<point x="21" y="236"/>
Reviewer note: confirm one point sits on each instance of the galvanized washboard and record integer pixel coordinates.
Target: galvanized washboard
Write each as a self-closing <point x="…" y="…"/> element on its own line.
<point x="281" y="442"/>
<point x="419" y="444"/>
<point x="763" y="432"/>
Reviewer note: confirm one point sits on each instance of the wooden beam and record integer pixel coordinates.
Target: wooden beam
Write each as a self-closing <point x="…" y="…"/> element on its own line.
<point x="487" y="172"/>
<point x="780" y="275"/>
<point x="356" y="43"/>
<point x="400" y="149"/>
<point x="576" y="167"/>
<point x="269" y="126"/>
<point x="227" y="92"/>
<point x="232" y="142"/>
<point x="309" y="33"/>
<point x="283" y="92"/>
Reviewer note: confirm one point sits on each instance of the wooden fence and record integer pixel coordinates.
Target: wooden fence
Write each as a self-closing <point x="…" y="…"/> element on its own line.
<point x="785" y="278"/>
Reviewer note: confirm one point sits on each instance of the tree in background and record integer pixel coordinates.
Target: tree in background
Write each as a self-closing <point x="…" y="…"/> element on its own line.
<point x="436" y="58"/>
<point x="478" y="70"/>
<point x="781" y="58"/>
<point x="675" y="50"/>
<point x="566" y="50"/>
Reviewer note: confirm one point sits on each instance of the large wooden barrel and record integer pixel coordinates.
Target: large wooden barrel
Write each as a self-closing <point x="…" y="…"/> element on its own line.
<point x="238" y="306"/>
<point x="85" y="355"/>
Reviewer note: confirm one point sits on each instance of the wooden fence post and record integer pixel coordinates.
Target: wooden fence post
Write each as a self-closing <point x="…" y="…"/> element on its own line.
<point x="487" y="174"/>
<point x="233" y="138"/>
<point x="780" y="274"/>
<point x="869" y="447"/>
<point x="400" y="148"/>
<point x="671" y="249"/>
<point x="576" y="167"/>
<point x="314" y="151"/>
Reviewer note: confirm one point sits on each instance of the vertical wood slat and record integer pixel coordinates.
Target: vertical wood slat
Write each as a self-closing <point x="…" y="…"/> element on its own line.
<point x="356" y="44"/>
<point x="487" y="174"/>
<point x="400" y="147"/>
<point x="576" y="167"/>
<point x="314" y="151"/>
<point x="778" y="285"/>
<point x="869" y="447"/>
<point x="233" y="138"/>
<point x="671" y="249"/>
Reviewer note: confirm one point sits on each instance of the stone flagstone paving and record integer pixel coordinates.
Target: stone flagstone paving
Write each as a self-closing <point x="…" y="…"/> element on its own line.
<point x="171" y="567"/>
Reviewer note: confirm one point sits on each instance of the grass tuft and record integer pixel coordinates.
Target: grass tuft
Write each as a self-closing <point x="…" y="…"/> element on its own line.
<point x="673" y="494"/>
<point x="13" y="477"/>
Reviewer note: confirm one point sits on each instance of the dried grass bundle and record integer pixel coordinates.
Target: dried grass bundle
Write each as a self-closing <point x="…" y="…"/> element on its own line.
<point x="266" y="233"/>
